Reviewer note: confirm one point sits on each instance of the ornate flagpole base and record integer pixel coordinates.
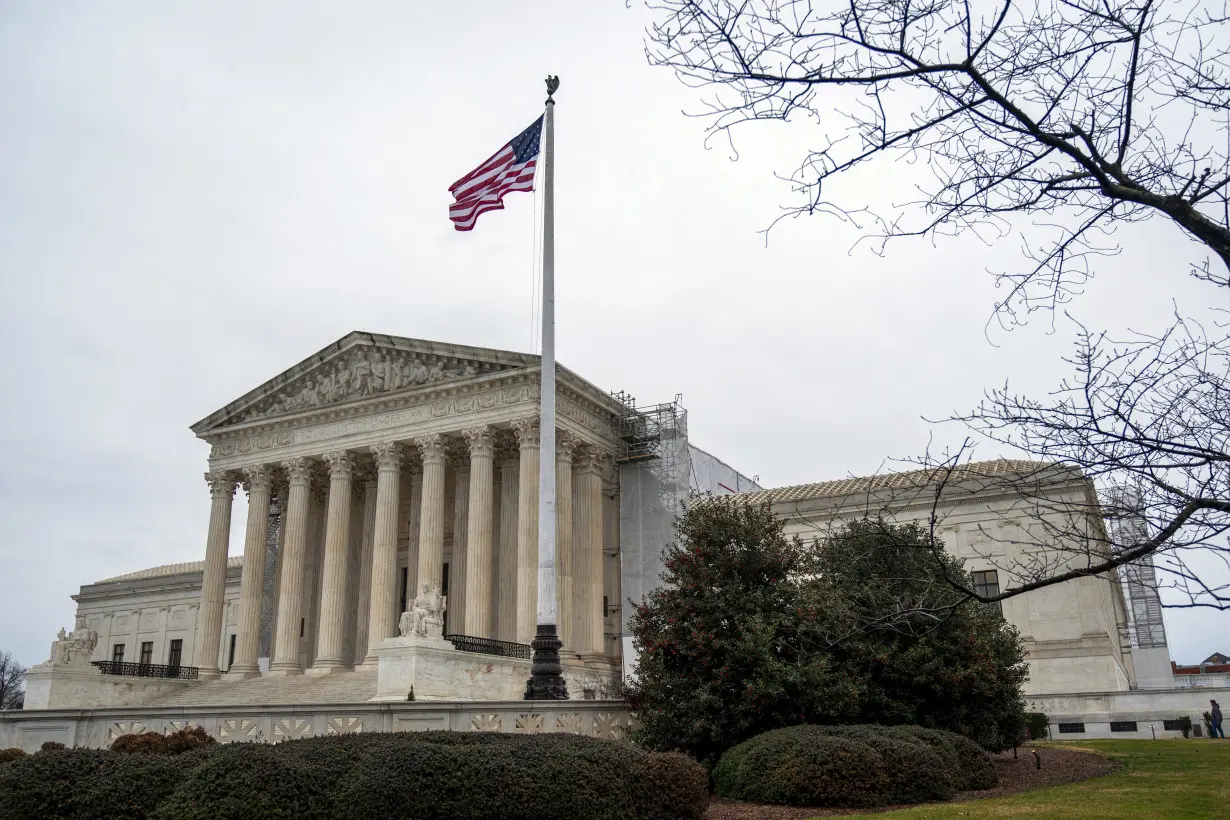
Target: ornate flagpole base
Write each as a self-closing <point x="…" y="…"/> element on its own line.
<point x="546" y="681"/>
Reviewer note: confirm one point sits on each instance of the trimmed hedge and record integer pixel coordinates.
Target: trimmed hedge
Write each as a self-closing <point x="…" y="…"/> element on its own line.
<point x="10" y="754"/>
<point x="423" y="775"/>
<point x="852" y="766"/>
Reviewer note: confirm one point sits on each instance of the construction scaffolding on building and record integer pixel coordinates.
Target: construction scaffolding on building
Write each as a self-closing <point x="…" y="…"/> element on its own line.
<point x="1128" y="527"/>
<point x="657" y="477"/>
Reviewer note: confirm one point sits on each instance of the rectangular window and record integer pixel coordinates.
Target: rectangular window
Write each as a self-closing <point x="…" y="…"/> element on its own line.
<point x="230" y="658"/>
<point x="1071" y="728"/>
<point x="1172" y="725"/>
<point x="1123" y="726"/>
<point x="117" y="653"/>
<point x="175" y="657"/>
<point x="404" y="580"/>
<point x="302" y="625"/>
<point x="986" y="583"/>
<point x="147" y="652"/>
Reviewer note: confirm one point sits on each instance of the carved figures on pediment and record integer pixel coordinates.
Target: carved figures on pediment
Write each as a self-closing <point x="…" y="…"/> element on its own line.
<point x="75" y="648"/>
<point x="361" y="373"/>
<point x="426" y="616"/>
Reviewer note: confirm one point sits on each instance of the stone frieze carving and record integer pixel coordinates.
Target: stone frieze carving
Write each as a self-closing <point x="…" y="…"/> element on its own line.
<point x="412" y="415"/>
<point x="363" y="372"/>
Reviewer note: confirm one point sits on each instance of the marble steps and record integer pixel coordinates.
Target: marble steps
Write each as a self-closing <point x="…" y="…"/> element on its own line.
<point x="344" y="687"/>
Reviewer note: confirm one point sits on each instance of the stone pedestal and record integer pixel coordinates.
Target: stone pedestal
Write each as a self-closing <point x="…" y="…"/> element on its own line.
<point x="437" y="671"/>
<point x="82" y="686"/>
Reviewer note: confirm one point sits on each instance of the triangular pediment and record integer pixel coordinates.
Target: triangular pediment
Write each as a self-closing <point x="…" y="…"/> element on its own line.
<point x="362" y="366"/>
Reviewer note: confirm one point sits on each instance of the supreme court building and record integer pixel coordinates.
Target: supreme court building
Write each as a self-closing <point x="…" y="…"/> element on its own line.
<point x="382" y="472"/>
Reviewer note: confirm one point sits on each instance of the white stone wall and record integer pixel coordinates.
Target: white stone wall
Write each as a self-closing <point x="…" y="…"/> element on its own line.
<point x="98" y="728"/>
<point x="1149" y="709"/>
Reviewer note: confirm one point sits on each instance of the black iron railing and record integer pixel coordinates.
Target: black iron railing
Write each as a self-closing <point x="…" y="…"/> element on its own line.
<point x="489" y="646"/>
<point x="147" y="670"/>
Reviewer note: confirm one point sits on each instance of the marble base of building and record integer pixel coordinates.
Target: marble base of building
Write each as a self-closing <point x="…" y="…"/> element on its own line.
<point x="65" y="686"/>
<point x="1140" y="713"/>
<point x="98" y="728"/>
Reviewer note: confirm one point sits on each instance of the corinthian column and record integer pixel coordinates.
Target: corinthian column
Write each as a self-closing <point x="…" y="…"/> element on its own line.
<point x="527" y="431"/>
<point x="458" y="603"/>
<point x="213" y="580"/>
<point x="478" y="532"/>
<point x="294" y="550"/>
<point x="434" y="453"/>
<point x="506" y="558"/>
<point x="364" y="605"/>
<point x="252" y="583"/>
<point x="587" y="559"/>
<point x="332" y="619"/>
<point x="565" y="449"/>
<point x="382" y="621"/>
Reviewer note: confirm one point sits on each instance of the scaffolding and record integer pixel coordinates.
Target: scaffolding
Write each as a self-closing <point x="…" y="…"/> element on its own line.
<point x="1128" y="527"/>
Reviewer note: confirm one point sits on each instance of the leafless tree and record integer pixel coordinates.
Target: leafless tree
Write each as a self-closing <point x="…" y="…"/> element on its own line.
<point x="1056" y="121"/>
<point x="12" y="682"/>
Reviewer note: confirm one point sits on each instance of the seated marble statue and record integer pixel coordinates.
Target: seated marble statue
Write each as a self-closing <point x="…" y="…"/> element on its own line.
<point x="426" y="615"/>
<point x="75" y="648"/>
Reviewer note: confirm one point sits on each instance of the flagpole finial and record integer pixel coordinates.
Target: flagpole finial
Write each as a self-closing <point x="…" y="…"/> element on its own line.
<point x="552" y="87"/>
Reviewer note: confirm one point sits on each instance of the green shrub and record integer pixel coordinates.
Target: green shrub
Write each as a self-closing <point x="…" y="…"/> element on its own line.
<point x="7" y="755"/>
<point x="676" y="786"/>
<point x="130" y="787"/>
<point x="245" y="781"/>
<point x="145" y="743"/>
<point x="853" y="766"/>
<point x="474" y="775"/>
<point x="916" y="772"/>
<point x="423" y="775"/>
<point x="971" y="767"/>
<point x="803" y="766"/>
<point x="45" y="786"/>
<point x="1037" y="724"/>
<point x="52" y="746"/>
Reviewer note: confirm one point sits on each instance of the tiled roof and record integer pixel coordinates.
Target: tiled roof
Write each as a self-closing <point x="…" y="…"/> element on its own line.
<point x="170" y="569"/>
<point x="892" y="481"/>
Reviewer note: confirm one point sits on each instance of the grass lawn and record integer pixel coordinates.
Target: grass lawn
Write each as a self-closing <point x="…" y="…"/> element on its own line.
<point x="1159" y="778"/>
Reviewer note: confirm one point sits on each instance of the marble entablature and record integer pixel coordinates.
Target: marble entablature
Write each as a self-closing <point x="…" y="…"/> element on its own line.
<point x="421" y="400"/>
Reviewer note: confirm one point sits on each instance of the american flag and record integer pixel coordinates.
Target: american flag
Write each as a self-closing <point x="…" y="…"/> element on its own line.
<point x="509" y="169"/>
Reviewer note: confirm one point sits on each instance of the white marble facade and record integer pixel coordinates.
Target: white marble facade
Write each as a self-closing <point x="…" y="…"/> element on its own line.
<point x="395" y="461"/>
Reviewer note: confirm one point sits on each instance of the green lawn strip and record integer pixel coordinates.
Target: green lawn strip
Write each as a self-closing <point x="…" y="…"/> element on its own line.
<point x="1159" y="779"/>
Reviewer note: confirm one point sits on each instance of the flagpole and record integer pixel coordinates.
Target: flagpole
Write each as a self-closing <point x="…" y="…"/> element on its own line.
<point x="546" y="680"/>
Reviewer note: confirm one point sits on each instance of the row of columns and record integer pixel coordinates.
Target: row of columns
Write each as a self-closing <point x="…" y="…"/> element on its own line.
<point x="494" y="567"/>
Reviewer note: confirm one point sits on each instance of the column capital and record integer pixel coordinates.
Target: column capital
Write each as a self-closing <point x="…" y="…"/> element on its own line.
<point x="481" y="440"/>
<point x="298" y="471"/>
<point x="566" y="445"/>
<point x="221" y="483"/>
<point x="341" y="463"/>
<point x="592" y="459"/>
<point x="258" y="477"/>
<point x="388" y="455"/>
<point x="433" y="449"/>
<point x="528" y="432"/>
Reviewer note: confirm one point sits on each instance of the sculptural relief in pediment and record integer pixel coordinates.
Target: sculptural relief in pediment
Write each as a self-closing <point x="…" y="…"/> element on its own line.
<point x="361" y="373"/>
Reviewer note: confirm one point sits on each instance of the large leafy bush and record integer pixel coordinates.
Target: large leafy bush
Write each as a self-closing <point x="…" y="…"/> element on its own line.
<point x="755" y="631"/>
<point x="853" y="766"/>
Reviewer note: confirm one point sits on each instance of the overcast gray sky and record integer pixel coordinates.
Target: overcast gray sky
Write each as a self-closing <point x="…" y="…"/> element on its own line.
<point x="195" y="196"/>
